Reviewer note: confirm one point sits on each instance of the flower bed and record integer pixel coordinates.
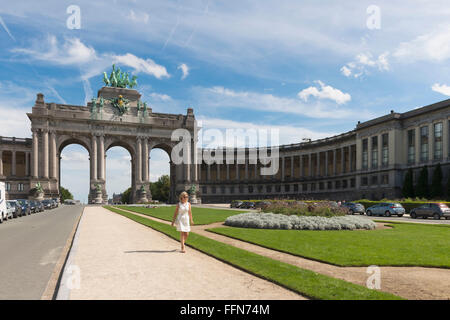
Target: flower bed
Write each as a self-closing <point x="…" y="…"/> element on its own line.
<point x="322" y="209"/>
<point x="281" y="221"/>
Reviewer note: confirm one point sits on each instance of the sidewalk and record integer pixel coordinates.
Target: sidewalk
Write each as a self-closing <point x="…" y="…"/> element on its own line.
<point x="118" y="258"/>
<point x="408" y="282"/>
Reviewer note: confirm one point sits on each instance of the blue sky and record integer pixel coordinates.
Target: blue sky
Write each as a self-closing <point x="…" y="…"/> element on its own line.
<point x="309" y="68"/>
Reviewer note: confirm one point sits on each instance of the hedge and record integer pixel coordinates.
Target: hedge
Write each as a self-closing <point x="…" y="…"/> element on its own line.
<point x="407" y="204"/>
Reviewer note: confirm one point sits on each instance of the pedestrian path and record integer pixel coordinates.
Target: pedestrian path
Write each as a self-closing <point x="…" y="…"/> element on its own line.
<point x="407" y="282"/>
<point x="114" y="257"/>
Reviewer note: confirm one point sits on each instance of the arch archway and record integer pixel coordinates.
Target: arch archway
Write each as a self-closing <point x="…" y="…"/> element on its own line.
<point x="119" y="171"/>
<point x="73" y="170"/>
<point x="160" y="165"/>
<point x="99" y="126"/>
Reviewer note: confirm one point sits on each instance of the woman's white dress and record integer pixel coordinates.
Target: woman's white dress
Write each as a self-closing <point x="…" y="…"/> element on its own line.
<point x="182" y="221"/>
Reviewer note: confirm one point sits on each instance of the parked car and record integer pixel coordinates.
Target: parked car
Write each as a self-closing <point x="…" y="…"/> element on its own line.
<point x="262" y="204"/>
<point x="386" y="209"/>
<point x="39" y="206"/>
<point x="435" y="210"/>
<point x="25" y="206"/>
<point x="353" y="207"/>
<point x="3" y="209"/>
<point x="248" y="205"/>
<point x="9" y="210"/>
<point x="33" y="206"/>
<point x="47" y="204"/>
<point x="17" y="208"/>
<point x="56" y="202"/>
<point x="236" y="204"/>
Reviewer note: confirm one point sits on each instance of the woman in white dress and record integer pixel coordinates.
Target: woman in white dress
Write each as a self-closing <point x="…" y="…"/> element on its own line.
<point x="182" y="217"/>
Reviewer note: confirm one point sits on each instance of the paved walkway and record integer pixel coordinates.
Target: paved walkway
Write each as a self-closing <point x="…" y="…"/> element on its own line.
<point x="408" y="282"/>
<point x="114" y="257"/>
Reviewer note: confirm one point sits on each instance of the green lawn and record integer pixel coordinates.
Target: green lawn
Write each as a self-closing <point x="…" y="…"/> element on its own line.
<point x="407" y="244"/>
<point x="200" y="215"/>
<point x="305" y="282"/>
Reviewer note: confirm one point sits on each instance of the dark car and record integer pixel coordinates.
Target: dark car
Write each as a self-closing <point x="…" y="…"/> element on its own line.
<point x="248" y="205"/>
<point x="262" y="204"/>
<point x="25" y="206"/>
<point x="236" y="204"/>
<point x="354" y="207"/>
<point x="435" y="210"/>
<point x="17" y="208"/>
<point x="33" y="206"/>
<point x="47" y="204"/>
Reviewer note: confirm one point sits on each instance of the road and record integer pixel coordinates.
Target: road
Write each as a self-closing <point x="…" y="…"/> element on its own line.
<point x="30" y="246"/>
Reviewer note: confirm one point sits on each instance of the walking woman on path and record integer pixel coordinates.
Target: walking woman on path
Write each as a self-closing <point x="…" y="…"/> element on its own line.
<point x="182" y="217"/>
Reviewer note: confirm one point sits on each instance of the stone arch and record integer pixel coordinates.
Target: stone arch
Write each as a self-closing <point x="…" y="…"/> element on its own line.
<point x="128" y="145"/>
<point x="167" y="146"/>
<point x="63" y="141"/>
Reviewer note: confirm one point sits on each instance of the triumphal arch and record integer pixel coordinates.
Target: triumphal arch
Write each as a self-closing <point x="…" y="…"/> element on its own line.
<point x="116" y="117"/>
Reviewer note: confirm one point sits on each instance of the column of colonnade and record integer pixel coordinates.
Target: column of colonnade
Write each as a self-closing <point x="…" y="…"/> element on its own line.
<point x="324" y="163"/>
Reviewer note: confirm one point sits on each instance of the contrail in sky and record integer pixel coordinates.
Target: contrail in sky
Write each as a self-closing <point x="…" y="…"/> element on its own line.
<point x="6" y="28"/>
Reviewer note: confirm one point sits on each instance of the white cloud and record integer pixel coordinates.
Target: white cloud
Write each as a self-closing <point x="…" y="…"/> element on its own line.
<point x="287" y="134"/>
<point x="184" y="69"/>
<point x="73" y="52"/>
<point x="160" y="96"/>
<point x="141" y="17"/>
<point x="324" y="92"/>
<point x="443" y="89"/>
<point x="433" y="46"/>
<point x="363" y="63"/>
<point x="221" y="97"/>
<point x="147" y="66"/>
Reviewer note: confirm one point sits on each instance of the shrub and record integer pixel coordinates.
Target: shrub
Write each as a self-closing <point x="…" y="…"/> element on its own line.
<point x="436" y="182"/>
<point x="408" y="184"/>
<point x="323" y="209"/>
<point x="295" y="222"/>
<point x="422" y="183"/>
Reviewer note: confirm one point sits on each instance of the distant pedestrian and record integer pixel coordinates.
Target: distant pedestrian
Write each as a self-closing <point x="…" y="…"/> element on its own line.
<point x="182" y="218"/>
<point x="339" y="203"/>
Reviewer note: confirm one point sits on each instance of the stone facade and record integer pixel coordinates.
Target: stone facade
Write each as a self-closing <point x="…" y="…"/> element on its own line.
<point x="97" y="128"/>
<point x="367" y="162"/>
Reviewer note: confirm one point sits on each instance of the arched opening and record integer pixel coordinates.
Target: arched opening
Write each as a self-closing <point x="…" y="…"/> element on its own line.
<point x="160" y="174"/>
<point x="74" y="170"/>
<point x="118" y="173"/>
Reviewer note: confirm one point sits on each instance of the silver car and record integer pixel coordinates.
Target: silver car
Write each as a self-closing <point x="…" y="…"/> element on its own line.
<point x="386" y="209"/>
<point x="9" y="210"/>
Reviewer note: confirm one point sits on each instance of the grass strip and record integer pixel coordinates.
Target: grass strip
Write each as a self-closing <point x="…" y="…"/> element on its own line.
<point x="302" y="281"/>
<point x="406" y="244"/>
<point x="201" y="216"/>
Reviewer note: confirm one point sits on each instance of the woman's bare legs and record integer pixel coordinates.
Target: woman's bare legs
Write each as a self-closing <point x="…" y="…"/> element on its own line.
<point x="182" y="241"/>
<point x="183" y="238"/>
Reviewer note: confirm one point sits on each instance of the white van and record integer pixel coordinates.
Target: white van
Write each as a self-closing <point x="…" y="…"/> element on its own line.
<point x="3" y="212"/>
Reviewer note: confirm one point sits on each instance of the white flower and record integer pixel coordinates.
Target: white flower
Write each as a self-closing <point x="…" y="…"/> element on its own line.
<point x="280" y="221"/>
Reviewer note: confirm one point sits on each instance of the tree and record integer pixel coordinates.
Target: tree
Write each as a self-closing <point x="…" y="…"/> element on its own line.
<point x="65" y="194"/>
<point x="448" y="186"/>
<point x="161" y="189"/>
<point x="126" y="196"/>
<point x="422" y="183"/>
<point x="408" y="185"/>
<point x="436" y="182"/>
